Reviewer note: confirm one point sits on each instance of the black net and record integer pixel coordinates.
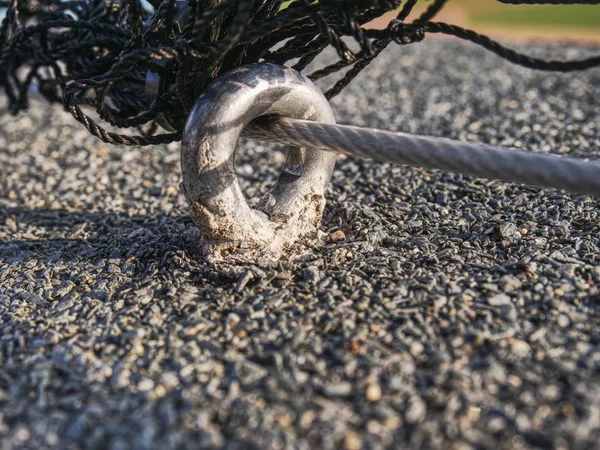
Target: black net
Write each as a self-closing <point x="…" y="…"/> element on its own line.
<point x="136" y="62"/>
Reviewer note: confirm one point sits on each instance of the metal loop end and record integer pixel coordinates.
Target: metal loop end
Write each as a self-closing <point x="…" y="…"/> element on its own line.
<point x="290" y="214"/>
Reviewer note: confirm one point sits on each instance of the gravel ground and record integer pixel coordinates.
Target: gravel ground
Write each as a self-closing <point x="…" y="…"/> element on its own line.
<point x="446" y="311"/>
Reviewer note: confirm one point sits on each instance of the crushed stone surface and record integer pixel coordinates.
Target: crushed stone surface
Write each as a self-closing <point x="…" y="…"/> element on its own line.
<point x="444" y="311"/>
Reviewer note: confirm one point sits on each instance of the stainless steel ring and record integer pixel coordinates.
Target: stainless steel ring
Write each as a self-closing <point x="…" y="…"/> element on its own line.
<point x="292" y="211"/>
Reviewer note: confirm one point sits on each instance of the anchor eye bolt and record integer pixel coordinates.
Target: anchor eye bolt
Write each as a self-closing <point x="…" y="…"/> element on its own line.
<point x="291" y="212"/>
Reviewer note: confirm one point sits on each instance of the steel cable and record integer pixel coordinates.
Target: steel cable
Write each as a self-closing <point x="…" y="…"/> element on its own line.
<point x="470" y="158"/>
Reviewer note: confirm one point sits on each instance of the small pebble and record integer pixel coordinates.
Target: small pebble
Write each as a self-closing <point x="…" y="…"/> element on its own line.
<point x="352" y="441"/>
<point x="563" y="321"/>
<point x="499" y="300"/>
<point x="373" y="393"/>
<point x="312" y="275"/>
<point x="338" y="236"/>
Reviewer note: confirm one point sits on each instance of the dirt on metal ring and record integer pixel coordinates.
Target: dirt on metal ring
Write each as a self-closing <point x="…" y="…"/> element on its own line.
<point x="291" y="212"/>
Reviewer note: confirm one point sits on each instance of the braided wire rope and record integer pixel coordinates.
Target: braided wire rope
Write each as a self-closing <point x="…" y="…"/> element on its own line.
<point x="471" y="158"/>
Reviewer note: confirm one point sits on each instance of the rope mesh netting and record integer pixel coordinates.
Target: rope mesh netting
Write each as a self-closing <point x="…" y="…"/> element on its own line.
<point x="98" y="53"/>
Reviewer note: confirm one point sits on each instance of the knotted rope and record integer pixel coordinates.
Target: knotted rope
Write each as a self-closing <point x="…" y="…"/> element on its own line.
<point x="97" y="53"/>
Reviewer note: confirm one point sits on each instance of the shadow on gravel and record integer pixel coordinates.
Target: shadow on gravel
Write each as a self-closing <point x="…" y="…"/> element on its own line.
<point x="49" y="229"/>
<point x="112" y="332"/>
<point x="127" y="248"/>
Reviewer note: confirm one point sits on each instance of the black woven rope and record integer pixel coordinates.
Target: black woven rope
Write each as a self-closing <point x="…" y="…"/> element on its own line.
<point x="97" y="53"/>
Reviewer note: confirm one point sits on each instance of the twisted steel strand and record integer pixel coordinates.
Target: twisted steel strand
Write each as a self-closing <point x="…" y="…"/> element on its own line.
<point x="476" y="159"/>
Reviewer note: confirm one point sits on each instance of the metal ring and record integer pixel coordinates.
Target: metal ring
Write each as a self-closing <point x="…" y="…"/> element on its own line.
<point x="292" y="211"/>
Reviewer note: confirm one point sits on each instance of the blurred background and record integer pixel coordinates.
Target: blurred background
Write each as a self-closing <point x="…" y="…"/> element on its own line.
<point x="521" y="22"/>
<point x="579" y="23"/>
<point x="518" y="22"/>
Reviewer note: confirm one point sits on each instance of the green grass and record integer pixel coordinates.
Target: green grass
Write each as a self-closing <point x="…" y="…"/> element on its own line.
<point x="584" y="16"/>
<point x="491" y="12"/>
